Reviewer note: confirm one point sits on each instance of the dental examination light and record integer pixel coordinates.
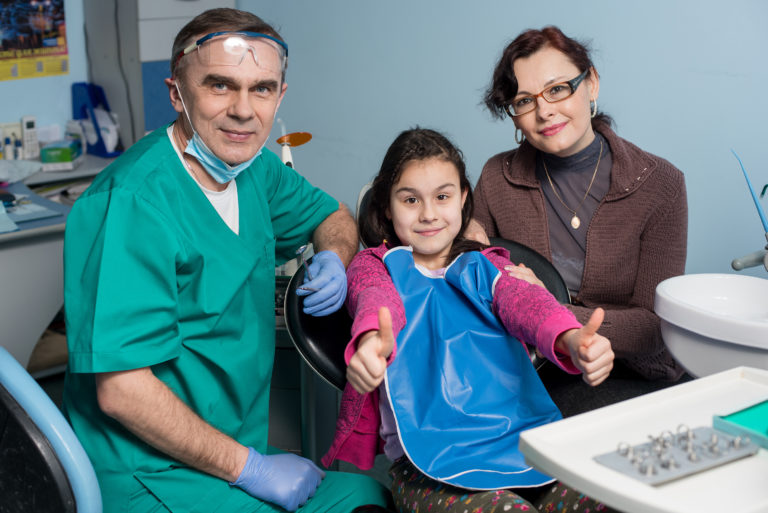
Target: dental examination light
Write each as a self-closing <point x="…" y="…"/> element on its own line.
<point x="288" y="140"/>
<point x="761" y="256"/>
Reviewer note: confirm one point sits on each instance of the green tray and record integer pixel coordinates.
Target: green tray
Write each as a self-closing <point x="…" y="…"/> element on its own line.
<point x="751" y="421"/>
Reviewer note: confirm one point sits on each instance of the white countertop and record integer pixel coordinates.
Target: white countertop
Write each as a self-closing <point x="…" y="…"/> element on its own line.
<point x="90" y="167"/>
<point x="565" y="449"/>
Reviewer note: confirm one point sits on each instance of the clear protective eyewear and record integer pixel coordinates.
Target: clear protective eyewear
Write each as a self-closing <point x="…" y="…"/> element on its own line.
<point x="230" y="48"/>
<point x="552" y="94"/>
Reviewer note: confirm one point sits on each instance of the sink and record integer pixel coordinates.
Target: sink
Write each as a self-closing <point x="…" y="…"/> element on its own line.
<point x="713" y="322"/>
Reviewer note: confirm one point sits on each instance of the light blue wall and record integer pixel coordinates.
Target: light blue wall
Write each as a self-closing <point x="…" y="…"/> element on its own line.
<point x="49" y="99"/>
<point x="681" y="80"/>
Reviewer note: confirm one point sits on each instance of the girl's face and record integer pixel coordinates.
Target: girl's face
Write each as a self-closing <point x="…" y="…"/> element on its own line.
<point x="425" y="208"/>
<point x="562" y="128"/>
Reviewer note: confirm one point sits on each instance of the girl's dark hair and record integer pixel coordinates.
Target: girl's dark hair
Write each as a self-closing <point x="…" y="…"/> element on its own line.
<point x="413" y="145"/>
<point x="503" y="87"/>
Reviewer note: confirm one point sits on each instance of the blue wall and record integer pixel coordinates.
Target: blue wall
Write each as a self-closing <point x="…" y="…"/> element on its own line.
<point x="679" y="78"/>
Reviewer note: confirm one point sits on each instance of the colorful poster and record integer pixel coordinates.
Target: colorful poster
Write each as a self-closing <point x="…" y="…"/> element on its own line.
<point x="33" y="39"/>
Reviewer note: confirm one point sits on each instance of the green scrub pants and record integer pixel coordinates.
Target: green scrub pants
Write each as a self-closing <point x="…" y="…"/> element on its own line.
<point x="339" y="492"/>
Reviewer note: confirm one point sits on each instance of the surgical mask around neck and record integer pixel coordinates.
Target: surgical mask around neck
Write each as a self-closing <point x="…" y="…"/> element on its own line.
<point x="217" y="168"/>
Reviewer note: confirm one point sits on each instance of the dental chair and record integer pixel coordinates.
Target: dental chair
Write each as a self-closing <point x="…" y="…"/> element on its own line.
<point x="541" y="267"/>
<point x="43" y="467"/>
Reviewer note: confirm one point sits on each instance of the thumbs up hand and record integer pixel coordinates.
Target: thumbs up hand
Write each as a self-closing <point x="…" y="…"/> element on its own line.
<point x="369" y="363"/>
<point x="590" y="352"/>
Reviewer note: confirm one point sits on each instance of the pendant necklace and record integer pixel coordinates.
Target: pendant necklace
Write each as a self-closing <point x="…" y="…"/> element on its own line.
<point x="575" y="221"/>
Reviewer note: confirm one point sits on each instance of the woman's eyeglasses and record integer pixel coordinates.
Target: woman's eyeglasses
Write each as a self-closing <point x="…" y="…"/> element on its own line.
<point x="552" y="94"/>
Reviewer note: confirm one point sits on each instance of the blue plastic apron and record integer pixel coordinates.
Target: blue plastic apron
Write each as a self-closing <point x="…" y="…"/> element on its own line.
<point x="461" y="388"/>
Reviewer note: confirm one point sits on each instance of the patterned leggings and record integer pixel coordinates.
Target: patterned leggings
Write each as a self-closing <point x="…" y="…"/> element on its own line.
<point x="414" y="492"/>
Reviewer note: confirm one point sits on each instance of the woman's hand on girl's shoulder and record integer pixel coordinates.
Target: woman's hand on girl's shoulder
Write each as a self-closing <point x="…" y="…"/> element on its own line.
<point x="590" y="352"/>
<point x="521" y="272"/>
<point x="367" y="366"/>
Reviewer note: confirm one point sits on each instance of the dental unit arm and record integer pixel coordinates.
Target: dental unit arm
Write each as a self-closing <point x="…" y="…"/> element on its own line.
<point x="758" y="257"/>
<point x="752" y="259"/>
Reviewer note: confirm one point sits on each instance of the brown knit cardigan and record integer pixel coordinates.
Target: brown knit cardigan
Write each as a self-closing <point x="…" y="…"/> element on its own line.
<point x="636" y="238"/>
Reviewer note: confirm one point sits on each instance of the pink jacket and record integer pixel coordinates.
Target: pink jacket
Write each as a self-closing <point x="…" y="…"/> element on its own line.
<point x="527" y="311"/>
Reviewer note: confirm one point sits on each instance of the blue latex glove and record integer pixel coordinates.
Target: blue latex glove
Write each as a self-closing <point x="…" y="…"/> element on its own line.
<point x="326" y="291"/>
<point x="285" y="479"/>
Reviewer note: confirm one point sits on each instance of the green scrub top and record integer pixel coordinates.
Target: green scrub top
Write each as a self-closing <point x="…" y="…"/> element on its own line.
<point x="155" y="278"/>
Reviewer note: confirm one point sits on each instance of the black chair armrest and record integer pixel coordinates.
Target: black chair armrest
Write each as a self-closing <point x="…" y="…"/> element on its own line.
<point x="319" y="340"/>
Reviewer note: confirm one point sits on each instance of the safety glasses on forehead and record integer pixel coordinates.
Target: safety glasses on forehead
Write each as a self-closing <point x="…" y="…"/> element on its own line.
<point x="229" y="48"/>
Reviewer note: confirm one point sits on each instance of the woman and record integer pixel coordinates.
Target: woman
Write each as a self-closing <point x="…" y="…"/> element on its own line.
<point x="611" y="217"/>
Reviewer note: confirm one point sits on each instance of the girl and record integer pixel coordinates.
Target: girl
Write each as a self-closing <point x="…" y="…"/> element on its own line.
<point x="450" y="407"/>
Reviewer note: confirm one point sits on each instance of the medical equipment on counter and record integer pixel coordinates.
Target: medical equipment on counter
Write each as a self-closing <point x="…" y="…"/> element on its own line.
<point x="8" y="149"/>
<point x="30" y="146"/>
<point x="62" y="155"/>
<point x="761" y="256"/>
<point x="90" y="107"/>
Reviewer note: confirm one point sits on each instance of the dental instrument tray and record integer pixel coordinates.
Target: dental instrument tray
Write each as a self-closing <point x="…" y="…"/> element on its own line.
<point x="670" y="456"/>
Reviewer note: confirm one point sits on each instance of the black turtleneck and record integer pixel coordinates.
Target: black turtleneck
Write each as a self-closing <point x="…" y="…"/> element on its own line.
<point x="571" y="177"/>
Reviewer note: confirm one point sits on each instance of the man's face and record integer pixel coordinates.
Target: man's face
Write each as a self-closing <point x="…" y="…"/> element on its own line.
<point x="232" y="107"/>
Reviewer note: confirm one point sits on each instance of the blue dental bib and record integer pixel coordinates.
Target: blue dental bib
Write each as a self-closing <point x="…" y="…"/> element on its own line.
<point x="461" y="388"/>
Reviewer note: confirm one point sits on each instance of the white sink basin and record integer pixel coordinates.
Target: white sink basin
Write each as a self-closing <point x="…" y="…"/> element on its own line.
<point x="713" y="322"/>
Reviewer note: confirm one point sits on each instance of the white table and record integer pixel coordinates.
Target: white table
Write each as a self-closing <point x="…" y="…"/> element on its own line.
<point x="32" y="290"/>
<point x="32" y="268"/>
<point x="565" y="449"/>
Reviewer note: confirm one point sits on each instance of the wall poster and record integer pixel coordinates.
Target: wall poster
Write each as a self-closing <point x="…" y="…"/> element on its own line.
<point x="33" y="39"/>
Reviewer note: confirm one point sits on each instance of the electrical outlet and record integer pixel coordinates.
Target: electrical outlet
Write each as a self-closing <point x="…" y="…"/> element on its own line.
<point x="8" y="129"/>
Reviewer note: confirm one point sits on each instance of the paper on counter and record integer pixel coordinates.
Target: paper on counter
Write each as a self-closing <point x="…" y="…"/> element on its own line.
<point x="6" y="225"/>
<point x="13" y="171"/>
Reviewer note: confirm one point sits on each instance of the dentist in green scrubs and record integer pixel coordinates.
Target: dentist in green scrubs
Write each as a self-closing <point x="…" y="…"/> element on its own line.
<point x="169" y="292"/>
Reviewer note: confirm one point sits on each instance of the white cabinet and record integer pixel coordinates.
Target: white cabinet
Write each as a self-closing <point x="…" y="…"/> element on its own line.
<point x="160" y="21"/>
<point x="157" y="9"/>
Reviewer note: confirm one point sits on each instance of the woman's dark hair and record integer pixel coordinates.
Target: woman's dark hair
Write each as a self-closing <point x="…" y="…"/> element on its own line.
<point x="413" y="145"/>
<point x="503" y="87"/>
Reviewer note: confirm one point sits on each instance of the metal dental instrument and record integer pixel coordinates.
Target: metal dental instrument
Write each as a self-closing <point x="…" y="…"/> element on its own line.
<point x="300" y="252"/>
